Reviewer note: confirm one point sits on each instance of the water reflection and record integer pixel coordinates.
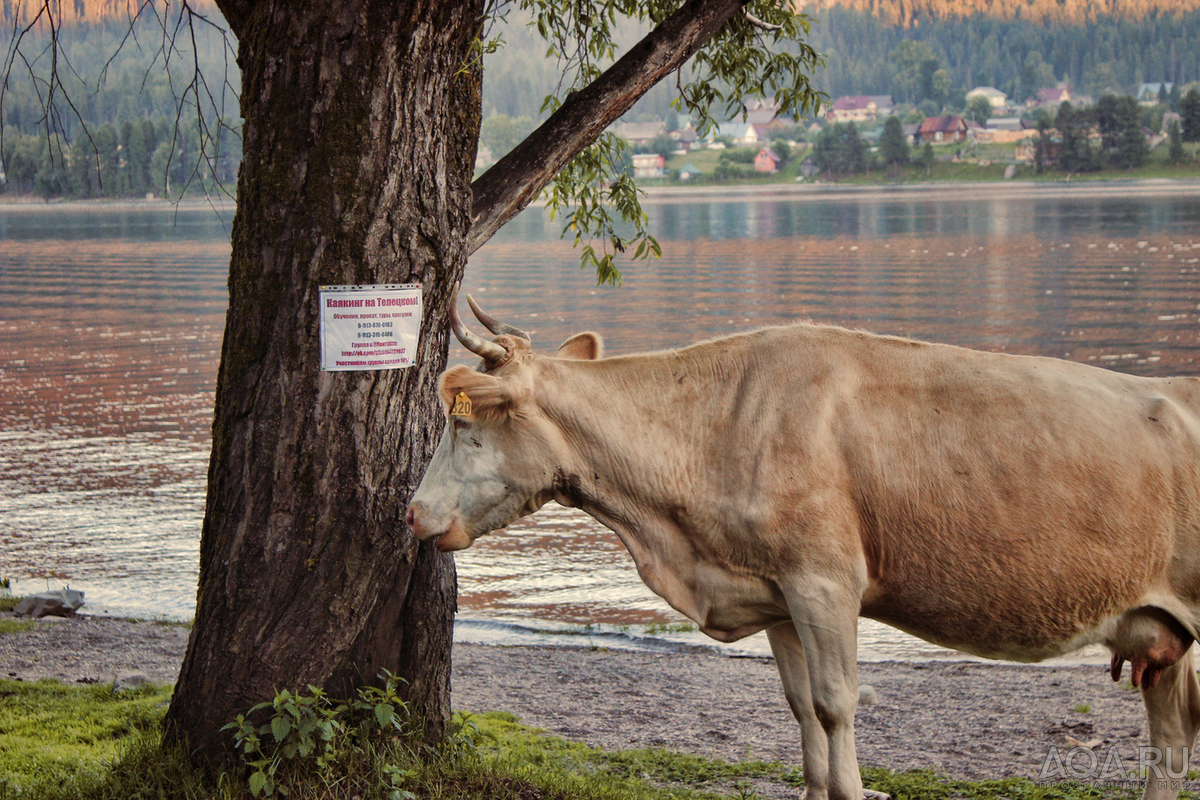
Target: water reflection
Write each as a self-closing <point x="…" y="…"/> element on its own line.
<point x="111" y="325"/>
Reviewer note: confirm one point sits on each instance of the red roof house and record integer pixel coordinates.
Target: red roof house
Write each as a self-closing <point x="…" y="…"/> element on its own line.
<point x="942" y="129"/>
<point x="767" y="160"/>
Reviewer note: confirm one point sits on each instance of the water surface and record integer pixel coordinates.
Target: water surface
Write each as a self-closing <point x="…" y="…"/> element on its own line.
<point x="111" y="318"/>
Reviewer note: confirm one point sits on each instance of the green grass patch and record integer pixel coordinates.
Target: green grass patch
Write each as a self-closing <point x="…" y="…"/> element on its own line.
<point x="66" y="742"/>
<point x="53" y="734"/>
<point x="928" y="785"/>
<point x="670" y="627"/>
<point x="15" y="625"/>
<point x="8" y="602"/>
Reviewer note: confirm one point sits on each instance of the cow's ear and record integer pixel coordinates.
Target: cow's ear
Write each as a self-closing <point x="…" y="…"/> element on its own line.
<point x="586" y="346"/>
<point x="475" y="395"/>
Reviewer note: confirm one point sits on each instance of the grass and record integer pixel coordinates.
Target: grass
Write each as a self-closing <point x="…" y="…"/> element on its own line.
<point x="65" y="742"/>
<point x="1082" y="708"/>
<point x="670" y="627"/>
<point x="51" y="733"/>
<point x="15" y="625"/>
<point x="8" y="602"/>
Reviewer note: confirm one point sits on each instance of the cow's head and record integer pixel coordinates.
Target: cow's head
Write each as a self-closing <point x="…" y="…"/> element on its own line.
<point x="500" y="452"/>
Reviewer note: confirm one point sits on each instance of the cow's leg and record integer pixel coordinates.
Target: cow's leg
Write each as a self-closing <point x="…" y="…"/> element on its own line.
<point x="793" y="673"/>
<point x="826" y="622"/>
<point x="1173" y="710"/>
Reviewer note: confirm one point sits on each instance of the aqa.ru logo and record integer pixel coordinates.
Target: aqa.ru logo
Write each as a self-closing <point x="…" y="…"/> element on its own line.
<point x="1082" y="763"/>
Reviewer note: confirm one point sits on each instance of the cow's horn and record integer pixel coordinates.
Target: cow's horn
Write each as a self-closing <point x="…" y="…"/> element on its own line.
<point x="494" y="325"/>
<point x="488" y="351"/>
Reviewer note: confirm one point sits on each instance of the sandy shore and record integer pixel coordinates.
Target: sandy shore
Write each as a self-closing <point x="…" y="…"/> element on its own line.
<point x="967" y="720"/>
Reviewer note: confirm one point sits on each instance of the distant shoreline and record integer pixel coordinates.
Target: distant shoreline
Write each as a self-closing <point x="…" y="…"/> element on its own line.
<point x="29" y="203"/>
<point x="1016" y="189"/>
<point x="815" y="191"/>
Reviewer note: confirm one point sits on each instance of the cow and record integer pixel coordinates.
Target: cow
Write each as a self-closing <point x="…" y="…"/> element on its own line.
<point x="791" y="479"/>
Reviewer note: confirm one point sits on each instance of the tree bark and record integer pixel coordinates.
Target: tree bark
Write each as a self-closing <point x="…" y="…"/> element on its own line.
<point x="361" y="119"/>
<point x="360" y="129"/>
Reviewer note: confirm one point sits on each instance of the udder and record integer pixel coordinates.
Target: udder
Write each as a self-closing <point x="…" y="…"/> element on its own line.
<point x="1150" y="640"/>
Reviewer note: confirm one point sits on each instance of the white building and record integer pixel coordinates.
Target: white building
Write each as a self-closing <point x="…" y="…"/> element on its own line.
<point x="997" y="98"/>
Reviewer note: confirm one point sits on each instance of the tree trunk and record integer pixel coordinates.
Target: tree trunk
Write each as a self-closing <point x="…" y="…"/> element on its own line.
<point x="360" y="128"/>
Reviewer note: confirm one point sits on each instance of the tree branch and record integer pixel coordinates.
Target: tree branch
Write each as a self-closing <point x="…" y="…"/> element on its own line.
<point x="515" y="180"/>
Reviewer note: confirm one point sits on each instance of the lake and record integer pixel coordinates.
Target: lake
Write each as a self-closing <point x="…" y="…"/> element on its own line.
<point x="112" y="320"/>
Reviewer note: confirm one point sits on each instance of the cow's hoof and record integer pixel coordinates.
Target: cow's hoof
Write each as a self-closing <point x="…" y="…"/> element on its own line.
<point x="871" y="794"/>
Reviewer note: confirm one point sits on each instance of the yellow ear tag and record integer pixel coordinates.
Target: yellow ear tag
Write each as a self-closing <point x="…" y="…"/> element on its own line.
<point x="462" y="405"/>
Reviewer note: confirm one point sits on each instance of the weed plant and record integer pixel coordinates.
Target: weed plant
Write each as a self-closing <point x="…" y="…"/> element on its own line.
<point x="7" y="601"/>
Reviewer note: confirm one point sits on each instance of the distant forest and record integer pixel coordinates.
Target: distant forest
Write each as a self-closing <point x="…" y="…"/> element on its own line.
<point x="1017" y="56"/>
<point x="920" y="51"/>
<point x="129" y="115"/>
<point x="1016" y="53"/>
<point x="910" y="13"/>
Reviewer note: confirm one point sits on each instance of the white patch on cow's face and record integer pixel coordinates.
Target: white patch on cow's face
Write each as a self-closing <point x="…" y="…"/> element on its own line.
<point x="473" y="486"/>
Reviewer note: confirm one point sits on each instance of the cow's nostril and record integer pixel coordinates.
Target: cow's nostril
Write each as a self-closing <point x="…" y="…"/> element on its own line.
<point x="410" y="518"/>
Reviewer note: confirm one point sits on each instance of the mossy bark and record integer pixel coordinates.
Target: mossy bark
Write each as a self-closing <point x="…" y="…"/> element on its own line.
<point x="360" y="128"/>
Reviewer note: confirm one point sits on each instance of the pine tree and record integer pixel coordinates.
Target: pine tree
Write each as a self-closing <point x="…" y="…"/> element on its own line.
<point x="1175" y="137"/>
<point x="892" y="145"/>
<point x="1189" y="110"/>
<point x="1132" y="149"/>
<point x="1075" y="151"/>
<point x="1041" y="146"/>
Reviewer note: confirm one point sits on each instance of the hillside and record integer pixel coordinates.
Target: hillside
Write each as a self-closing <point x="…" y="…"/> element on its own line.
<point x="905" y="12"/>
<point x="1074" y="12"/>
<point x="70" y="12"/>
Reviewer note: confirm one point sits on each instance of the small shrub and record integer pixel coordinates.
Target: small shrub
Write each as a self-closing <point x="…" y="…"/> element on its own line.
<point x="310" y="737"/>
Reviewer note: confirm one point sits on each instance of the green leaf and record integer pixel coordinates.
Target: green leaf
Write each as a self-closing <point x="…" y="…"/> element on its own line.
<point x="280" y="728"/>
<point x="258" y="782"/>
<point x="384" y="714"/>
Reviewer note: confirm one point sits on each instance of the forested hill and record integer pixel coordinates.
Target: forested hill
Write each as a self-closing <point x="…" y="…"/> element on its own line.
<point x="865" y="53"/>
<point x="1017" y="55"/>
<point x="903" y="12"/>
<point x="70" y="12"/>
<point x="1073" y="12"/>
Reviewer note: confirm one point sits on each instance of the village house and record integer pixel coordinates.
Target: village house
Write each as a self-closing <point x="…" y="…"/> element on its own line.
<point x="1052" y="98"/>
<point x="640" y="133"/>
<point x="764" y="116"/>
<point x="649" y="165"/>
<point x="1002" y="130"/>
<point x="860" y="107"/>
<point x="995" y="97"/>
<point x="942" y="129"/>
<point x="767" y="161"/>
<point x="743" y="134"/>
<point x="686" y="139"/>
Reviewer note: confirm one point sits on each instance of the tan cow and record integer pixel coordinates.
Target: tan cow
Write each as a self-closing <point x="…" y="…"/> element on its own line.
<point x="793" y="479"/>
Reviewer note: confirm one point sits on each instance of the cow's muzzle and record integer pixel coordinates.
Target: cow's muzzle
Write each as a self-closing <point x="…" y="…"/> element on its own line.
<point x="453" y="537"/>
